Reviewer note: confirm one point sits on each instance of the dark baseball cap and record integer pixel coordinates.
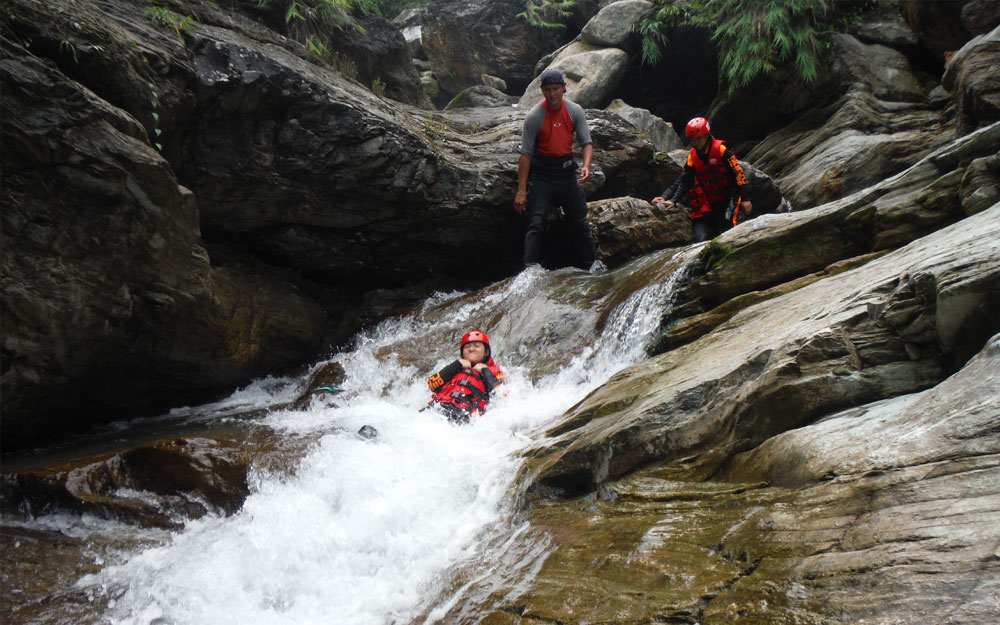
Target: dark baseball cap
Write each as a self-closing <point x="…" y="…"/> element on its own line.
<point x="552" y="77"/>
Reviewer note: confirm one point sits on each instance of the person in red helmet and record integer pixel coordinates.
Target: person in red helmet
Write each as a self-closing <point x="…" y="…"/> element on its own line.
<point x="713" y="183"/>
<point x="463" y="388"/>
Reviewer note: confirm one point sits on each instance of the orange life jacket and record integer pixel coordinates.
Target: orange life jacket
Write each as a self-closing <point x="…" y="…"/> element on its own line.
<point x="467" y="390"/>
<point x="711" y="179"/>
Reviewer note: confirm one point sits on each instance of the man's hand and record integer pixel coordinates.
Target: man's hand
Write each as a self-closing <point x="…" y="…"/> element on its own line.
<point x="479" y="366"/>
<point x="465" y="363"/>
<point x="520" y="201"/>
<point x="746" y="207"/>
<point x="588" y="158"/>
<point x="667" y="204"/>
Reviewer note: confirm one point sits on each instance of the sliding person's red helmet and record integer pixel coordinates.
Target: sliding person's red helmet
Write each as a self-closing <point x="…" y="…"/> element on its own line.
<point x="698" y="127"/>
<point x="475" y="335"/>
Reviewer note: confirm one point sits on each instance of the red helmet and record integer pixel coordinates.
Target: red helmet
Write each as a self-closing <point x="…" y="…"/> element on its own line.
<point x="697" y="127"/>
<point x="475" y="335"/>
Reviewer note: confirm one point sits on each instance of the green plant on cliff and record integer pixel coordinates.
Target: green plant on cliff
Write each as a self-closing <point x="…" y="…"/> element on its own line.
<point x="338" y="11"/>
<point x="754" y="37"/>
<point x="548" y="13"/>
<point x="166" y="17"/>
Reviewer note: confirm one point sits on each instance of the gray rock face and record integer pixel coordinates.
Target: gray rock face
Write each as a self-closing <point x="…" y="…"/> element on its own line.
<point x="496" y="83"/>
<point x="971" y="74"/>
<point x="883" y="121"/>
<point x="466" y="38"/>
<point x="880" y="330"/>
<point x="287" y="207"/>
<point x="382" y="54"/>
<point x="980" y="187"/>
<point x="820" y="524"/>
<point x="947" y="26"/>
<point x="613" y="25"/>
<point x="109" y="295"/>
<point x="926" y="307"/>
<point x="661" y="133"/>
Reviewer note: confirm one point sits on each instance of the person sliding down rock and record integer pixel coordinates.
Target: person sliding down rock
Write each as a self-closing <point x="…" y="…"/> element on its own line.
<point x="463" y="388"/>
<point x="713" y="184"/>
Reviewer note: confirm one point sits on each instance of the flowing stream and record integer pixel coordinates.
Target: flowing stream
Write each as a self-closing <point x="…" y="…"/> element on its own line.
<point x="419" y="523"/>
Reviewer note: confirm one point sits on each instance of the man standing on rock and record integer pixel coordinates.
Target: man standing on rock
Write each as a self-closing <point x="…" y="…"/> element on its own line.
<point x="546" y="172"/>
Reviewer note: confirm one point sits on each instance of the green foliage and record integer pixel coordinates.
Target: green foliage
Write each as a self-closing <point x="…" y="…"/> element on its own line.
<point x="166" y="17"/>
<point x="378" y="86"/>
<point x="337" y="11"/>
<point x="316" y="47"/>
<point x="659" y="157"/>
<point x="435" y="127"/>
<point x="66" y="47"/>
<point x="548" y="13"/>
<point x="753" y="36"/>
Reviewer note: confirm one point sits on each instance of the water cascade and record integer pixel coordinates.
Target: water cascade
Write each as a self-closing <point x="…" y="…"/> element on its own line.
<point x="419" y="522"/>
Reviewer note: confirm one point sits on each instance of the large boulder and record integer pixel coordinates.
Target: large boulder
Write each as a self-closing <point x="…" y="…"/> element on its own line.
<point x="482" y="96"/>
<point x="465" y="38"/>
<point x="971" y="75"/>
<point x="157" y="484"/>
<point x="980" y="186"/>
<point x="591" y="75"/>
<point x="615" y="23"/>
<point x="628" y="227"/>
<point x="660" y="133"/>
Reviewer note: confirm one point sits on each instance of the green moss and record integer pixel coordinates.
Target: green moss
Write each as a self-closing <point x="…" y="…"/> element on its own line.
<point x="741" y="277"/>
<point x="461" y="101"/>
<point x="431" y="88"/>
<point x="717" y="255"/>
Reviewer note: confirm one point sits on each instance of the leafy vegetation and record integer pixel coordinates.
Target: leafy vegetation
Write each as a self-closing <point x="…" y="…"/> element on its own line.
<point x="548" y="13"/>
<point x="166" y="17"/>
<point x="338" y="10"/>
<point x="755" y="36"/>
<point x="310" y="22"/>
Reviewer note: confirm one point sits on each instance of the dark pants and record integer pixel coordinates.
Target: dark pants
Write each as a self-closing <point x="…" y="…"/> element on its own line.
<point x="709" y="226"/>
<point x="565" y="191"/>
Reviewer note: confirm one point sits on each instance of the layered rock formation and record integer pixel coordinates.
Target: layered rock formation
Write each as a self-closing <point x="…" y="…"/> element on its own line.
<point x="813" y="439"/>
<point x="206" y="205"/>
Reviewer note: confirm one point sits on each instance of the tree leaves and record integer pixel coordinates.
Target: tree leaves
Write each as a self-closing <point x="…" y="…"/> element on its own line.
<point x="754" y="36"/>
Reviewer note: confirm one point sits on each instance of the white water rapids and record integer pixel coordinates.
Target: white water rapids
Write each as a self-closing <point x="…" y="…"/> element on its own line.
<point x="422" y="520"/>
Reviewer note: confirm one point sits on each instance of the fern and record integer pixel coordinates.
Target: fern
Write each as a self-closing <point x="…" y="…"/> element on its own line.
<point x="754" y="37"/>
<point x="166" y="17"/>
<point x="548" y="13"/>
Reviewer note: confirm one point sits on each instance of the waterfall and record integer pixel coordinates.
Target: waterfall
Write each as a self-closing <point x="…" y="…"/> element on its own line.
<point x="424" y="517"/>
